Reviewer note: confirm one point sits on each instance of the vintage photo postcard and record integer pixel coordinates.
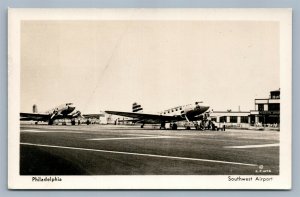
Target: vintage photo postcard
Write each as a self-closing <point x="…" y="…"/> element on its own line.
<point x="149" y="98"/>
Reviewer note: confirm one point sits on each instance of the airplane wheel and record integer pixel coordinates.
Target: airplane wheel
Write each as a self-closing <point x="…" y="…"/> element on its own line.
<point x="73" y="122"/>
<point x="188" y="128"/>
<point x="174" y="127"/>
<point x="142" y="126"/>
<point x="36" y="123"/>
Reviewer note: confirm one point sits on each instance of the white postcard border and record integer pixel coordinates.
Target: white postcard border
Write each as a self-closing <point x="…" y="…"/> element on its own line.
<point x="282" y="181"/>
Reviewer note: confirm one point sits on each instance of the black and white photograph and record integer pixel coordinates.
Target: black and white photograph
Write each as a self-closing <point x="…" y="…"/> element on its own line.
<point x="149" y="98"/>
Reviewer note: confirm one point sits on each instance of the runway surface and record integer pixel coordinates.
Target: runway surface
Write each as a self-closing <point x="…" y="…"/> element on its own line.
<point x="130" y="150"/>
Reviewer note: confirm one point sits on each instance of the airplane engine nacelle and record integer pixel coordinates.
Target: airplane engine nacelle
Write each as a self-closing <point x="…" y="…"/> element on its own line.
<point x="77" y="114"/>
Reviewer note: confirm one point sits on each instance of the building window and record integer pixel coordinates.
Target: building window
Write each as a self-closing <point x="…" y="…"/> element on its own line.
<point x="244" y="119"/>
<point x="223" y="119"/>
<point x="233" y="119"/>
<point x="260" y="107"/>
<point x="275" y="95"/>
<point x="274" y="107"/>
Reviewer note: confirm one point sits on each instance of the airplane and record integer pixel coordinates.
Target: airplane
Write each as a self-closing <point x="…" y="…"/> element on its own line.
<point x="190" y="113"/>
<point x="64" y="111"/>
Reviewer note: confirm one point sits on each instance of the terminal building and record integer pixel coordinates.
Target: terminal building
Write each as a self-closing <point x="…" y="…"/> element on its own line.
<point x="232" y="119"/>
<point x="266" y="113"/>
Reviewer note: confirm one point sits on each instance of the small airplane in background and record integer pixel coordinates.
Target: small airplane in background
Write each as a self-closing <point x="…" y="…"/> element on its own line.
<point x="190" y="113"/>
<point x="64" y="111"/>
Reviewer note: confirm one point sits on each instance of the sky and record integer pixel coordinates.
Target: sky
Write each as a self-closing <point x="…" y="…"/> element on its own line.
<point x="108" y="65"/>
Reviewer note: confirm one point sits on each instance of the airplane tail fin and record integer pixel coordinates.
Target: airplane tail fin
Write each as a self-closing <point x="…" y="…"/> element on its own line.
<point x="137" y="107"/>
<point x="34" y="108"/>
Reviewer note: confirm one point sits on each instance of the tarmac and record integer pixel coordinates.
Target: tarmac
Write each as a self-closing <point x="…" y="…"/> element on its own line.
<point x="131" y="150"/>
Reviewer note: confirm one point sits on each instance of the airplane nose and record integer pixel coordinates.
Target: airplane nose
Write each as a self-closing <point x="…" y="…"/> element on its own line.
<point x="71" y="108"/>
<point x="204" y="108"/>
<point x="201" y="109"/>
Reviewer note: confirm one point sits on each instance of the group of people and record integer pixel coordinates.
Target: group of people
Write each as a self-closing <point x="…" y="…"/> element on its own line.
<point x="209" y="125"/>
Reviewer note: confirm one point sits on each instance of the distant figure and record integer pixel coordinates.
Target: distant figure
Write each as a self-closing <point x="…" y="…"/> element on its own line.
<point x="88" y="121"/>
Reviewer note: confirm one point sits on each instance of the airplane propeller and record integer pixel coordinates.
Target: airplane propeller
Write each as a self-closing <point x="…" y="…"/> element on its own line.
<point x="55" y="112"/>
<point x="186" y="118"/>
<point x="77" y="114"/>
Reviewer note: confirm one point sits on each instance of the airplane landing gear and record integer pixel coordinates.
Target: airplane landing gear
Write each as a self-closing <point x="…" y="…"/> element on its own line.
<point x="50" y="122"/>
<point x="36" y="123"/>
<point x="142" y="126"/>
<point x="162" y="125"/>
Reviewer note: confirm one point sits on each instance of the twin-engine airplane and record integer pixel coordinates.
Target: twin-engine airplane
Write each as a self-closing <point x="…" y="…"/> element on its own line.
<point x="190" y="113"/>
<point x="64" y="111"/>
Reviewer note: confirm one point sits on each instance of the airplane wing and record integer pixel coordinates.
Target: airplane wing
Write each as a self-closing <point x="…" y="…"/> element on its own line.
<point x="34" y="116"/>
<point x="40" y="117"/>
<point x="153" y="118"/>
<point x="97" y="116"/>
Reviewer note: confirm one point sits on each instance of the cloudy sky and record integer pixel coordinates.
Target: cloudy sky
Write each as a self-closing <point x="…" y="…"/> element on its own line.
<point x="108" y="65"/>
